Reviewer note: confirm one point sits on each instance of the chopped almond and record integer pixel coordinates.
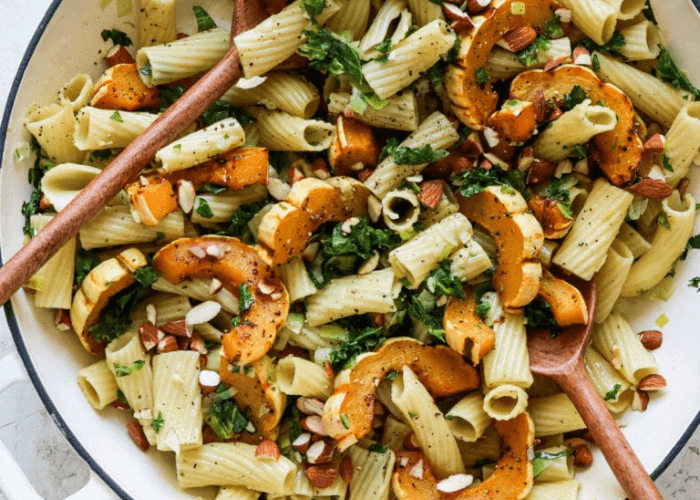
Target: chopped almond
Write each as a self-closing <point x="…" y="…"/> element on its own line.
<point x="430" y="193"/>
<point x="322" y="476"/>
<point x="267" y="450"/>
<point x="118" y="55"/>
<point x="137" y="435"/>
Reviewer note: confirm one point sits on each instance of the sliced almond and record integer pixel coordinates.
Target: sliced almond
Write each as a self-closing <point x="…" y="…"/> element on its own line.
<point x="411" y="443"/>
<point x="302" y="442"/>
<point x="563" y="14"/>
<point x="346" y="470"/>
<point x="197" y="344"/>
<point x="652" y="382"/>
<point x="278" y="188"/>
<point x="472" y="145"/>
<point x="555" y="62"/>
<point x="322" y="475"/>
<point x="197" y="252"/>
<point x="294" y="175"/>
<point x="417" y="470"/>
<point x="148" y="332"/>
<point x="137" y="435"/>
<point x="266" y="287"/>
<point x="215" y="286"/>
<point x="525" y="159"/>
<point x="62" y="320"/>
<point x="310" y="406"/>
<point x="186" y="195"/>
<point x="209" y="381"/>
<point x="581" y="56"/>
<point x="430" y="193"/>
<point x="320" y="452"/>
<point x="455" y="482"/>
<point x="151" y="315"/>
<point x="651" y="339"/>
<point x="640" y="400"/>
<point x="267" y="450"/>
<point x="313" y="424"/>
<point x="477" y="6"/>
<point x="202" y="313"/>
<point x="216" y="251"/>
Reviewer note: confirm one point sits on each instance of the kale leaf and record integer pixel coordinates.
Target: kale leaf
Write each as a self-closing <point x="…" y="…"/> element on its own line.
<point x="442" y="283"/>
<point x="226" y="420"/>
<point x="238" y="224"/>
<point x="204" y="20"/>
<point x="530" y="55"/>
<point x="362" y="240"/>
<point x="124" y="370"/>
<point x="84" y="262"/>
<point x="411" y="156"/>
<point x="476" y="180"/>
<point x="539" y="315"/>
<point x="359" y="341"/>
<point x="483" y="77"/>
<point x="612" y="394"/>
<point x="667" y="70"/>
<point x="616" y="42"/>
<point x="573" y="98"/>
<point x="118" y="37"/>
<point x="221" y="110"/>
<point x="544" y="459"/>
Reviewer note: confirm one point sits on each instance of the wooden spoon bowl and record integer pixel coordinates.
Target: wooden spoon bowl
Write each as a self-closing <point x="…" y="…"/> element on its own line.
<point x="562" y="360"/>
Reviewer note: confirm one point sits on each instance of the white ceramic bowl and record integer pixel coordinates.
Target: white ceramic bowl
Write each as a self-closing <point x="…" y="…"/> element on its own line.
<point x="68" y="42"/>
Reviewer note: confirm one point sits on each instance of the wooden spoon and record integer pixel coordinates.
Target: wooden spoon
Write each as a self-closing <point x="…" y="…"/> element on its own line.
<point x="561" y="359"/>
<point x="125" y="167"/>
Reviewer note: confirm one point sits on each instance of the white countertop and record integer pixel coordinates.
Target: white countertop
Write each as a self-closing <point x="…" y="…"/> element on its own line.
<point x="53" y="468"/>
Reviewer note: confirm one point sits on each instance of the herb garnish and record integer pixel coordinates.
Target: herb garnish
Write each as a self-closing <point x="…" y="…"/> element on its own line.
<point x="124" y="370"/>
<point x="529" y="55"/>
<point x="616" y="42"/>
<point x="543" y="460"/>
<point x="204" y="20"/>
<point x="442" y="283"/>
<point x="667" y="70"/>
<point x="552" y="28"/>
<point x="411" y="156"/>
<point x="538" y="314"/>
<point x="118" y="37"/>
<point x="158" y="422"/>
<point x="482" y="77"/>
<point x="224" y="417"/>
<point x="204" y="209"/>
<point x="612" y="394"/>
<point x="476" y="180"/>
<point x="359" y="341"/>
<point x="238" y="224"/>
<point x="377" y="448"/>
<point x="573" y="98"/>
<point x="221" y="110"/>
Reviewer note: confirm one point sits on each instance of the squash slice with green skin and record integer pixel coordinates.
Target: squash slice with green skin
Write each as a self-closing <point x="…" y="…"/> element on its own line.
<point x="511" y="480"/>
<point x="519" y="237"/>
<point x="103" y="282"/>
<point x="347" y="415"/>
<point x="617" y="152"/>
<point x="473" y="102"/>
<point x="234" y="264"/>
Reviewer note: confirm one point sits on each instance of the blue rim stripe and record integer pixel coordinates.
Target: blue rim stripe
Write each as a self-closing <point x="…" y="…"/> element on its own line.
<point x="9" y="313"/>
<point x="22" y="349"/>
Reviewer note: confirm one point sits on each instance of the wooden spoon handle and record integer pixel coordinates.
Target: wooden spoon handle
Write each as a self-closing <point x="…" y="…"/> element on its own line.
<point x="123" y="169"/>
<point x="620" y="456"/>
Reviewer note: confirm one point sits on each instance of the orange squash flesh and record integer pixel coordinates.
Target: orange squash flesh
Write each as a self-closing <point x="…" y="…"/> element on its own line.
<point x="347" y="416"/>
<point x="241" y="264"/>
<point x="512" y="479"/>
<point x="553" y="222"/>
<point x="618" y="152"/>
<point x="152" y="201"/>
<point x="121" y="88"/>
<point x="354" y="142"/>
<point x="262" y="403"/>
<point x="568" y="305"/>
<point x="512" y="127"/>
<point x="472" y="102"/>
<point x="465" y="331"/>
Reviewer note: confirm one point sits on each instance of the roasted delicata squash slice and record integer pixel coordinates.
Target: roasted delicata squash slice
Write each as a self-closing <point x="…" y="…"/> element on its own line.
<point x="554" y="222"/>
<point x="104" y="281"/>
<point x="258" y="397"/>
<point x="618" y="152"/>
<point x="519" y="237"/>
<point x="511" y="480"/>
<point x="234" y="264"/>
<point x="152" y="196"/>
<point x="354" y="143"/>
<point x="465" y="331"/>
<point x="472" y="101"/>
<point x="347" y="415"/>
<point x="285" y="230"/>
<point x="568" y="305"/>
<point x="121" y="88"/>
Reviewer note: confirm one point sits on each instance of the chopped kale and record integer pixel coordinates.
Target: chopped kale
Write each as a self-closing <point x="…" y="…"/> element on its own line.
<point x="695" y="283"/>
<point x="238" y="224"/>
<point x="556" y="192"/>
<point x="411" y="156"/>
<point x="362" y="240"/>
<point x="539" y="315"/>
<point x="552" y="28"/>
<point x="441" y="282"/>
<point x="116" y="316"/>
<point x="84" y="262"/>
<point x="436" y="74"/>
<point x="245" y="298"/>
<point x="118" y="37"/>
<point x="157" y="423"/>
<point x="212" y="189"/>
<point x="616" y="42"/>
<point x="612" y="394"/>
<point x="476" y="180"/>
<point x="595" y="63"/>
<point x="204" y="209"/>
<point x="204" y="20"/>
<point x="649" y="13"/>
<point x="663" y="221"/>
<point x="124" y="370"/>
<point x="359" y="341"/>
<point x="667" y="70"/>
<point x="169" y="94"/>
<point x="530" y="55"/>
<point x="573" y="98"/>
<point x="34" y="176"/>
<point x="578" y="152"/>
<point x="452" y="54"/>
<point x="693" y="244"/>
<point x="313" y="8"/>
<point x="221" y="110"/>
<point x="377" y="448"/>
<point x="543" y="460"/>
<point x="667" y="163"/>
<point x="225" y="419"/>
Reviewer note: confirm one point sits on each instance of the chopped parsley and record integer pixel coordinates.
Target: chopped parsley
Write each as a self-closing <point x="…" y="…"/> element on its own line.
<point x="595" y="63"/>
<point x="116" y="117"/>
<point x="335" y="54"/>
<point x="667" y="70"/>
<point x="578" y="152"/>
<point x="210" y="188"/>
<point x="695" y="283"/>
<point x="693" y="244"/>
<point x="573" y="98"/>
<point x="204" y="209"/>
<point x="124" y="370"/>
<point x="313" y="8"/>
<point x="33" y="206"/>
<point x="146" y="70"/>
<point x="667" y="163"/>
<point x="556" y="192"/>
<point x="421" y="305"/>
<point x="204" y="20"/>
<point x="530" y="55"/>
<point x="452" y="54"/>
<point x="482" y="307"/>
<point x="168" y="95"/>
<point x="552" y="28"/>
<point x="121" y="397"/>
<point x="411" y="156"/>
<point x="663" y="221"/>
<point x="476" y="180"/>
<point x="649" y="13"/>
<point x="158" y="422"/>
<point x="384" y="48"/>
<point x="482" y="77"/>
<point x="118" y="37"/>
<point x="544" y="459"/>
<point x="538" y="314"/>
<point x="436" y="74"/>
<point x="616" y="42"/>
<point x="116" y="316"/>
<point x="612" y="394"/>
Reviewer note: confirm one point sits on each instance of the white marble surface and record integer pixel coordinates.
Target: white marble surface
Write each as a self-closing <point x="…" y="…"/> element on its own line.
<point x="52" y="466"/>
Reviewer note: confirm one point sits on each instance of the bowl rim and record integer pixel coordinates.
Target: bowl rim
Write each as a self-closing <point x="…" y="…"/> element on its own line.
<point x="22" y="348"/>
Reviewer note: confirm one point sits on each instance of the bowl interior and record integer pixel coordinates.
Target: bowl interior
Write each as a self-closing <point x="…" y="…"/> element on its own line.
<point x="54" y="358"/>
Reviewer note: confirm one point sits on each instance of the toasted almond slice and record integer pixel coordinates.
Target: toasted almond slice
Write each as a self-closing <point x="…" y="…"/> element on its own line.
<point x="267" y="450"/>
<point x="653" y="382"/>
<point x="455" y="482"/>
